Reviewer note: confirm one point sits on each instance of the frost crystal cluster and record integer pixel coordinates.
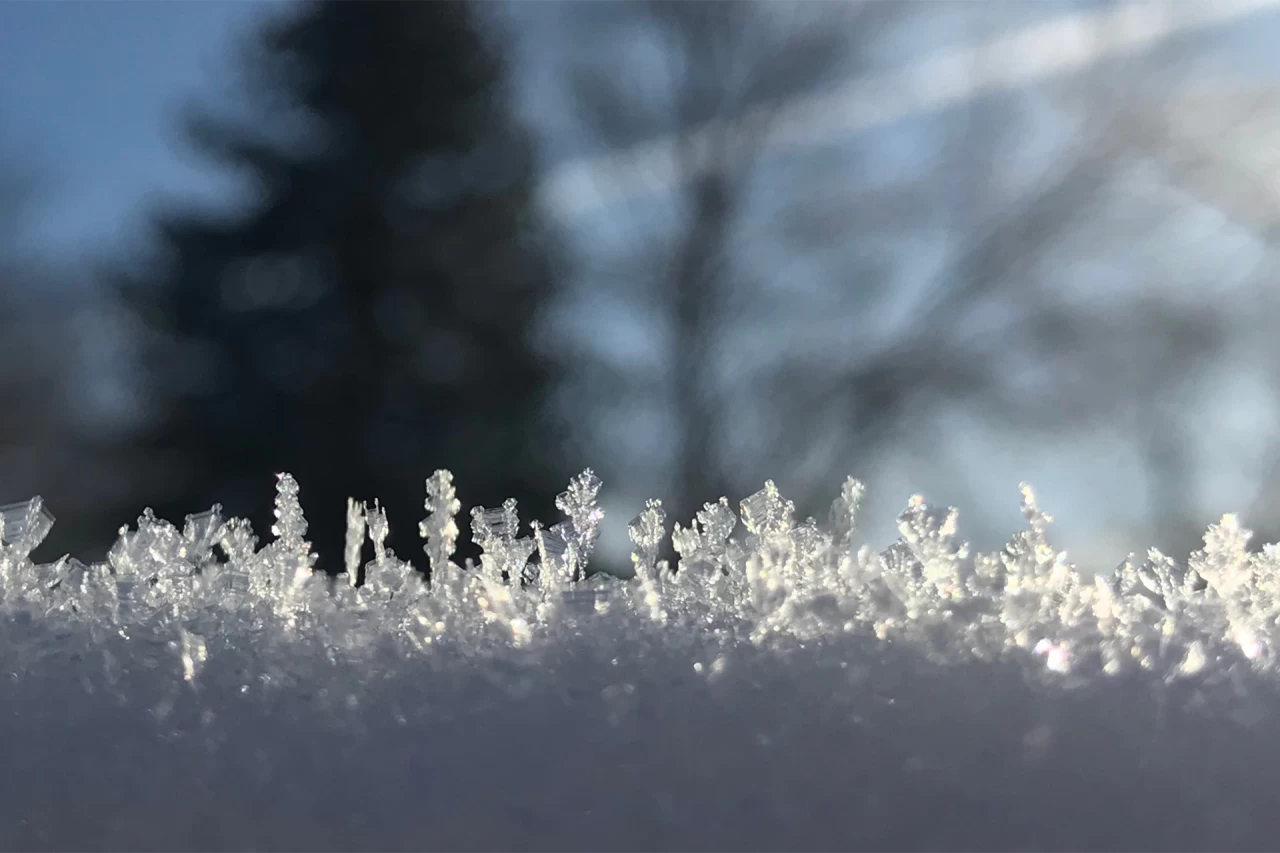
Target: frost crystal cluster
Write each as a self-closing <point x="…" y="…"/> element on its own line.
<point x="767" y="579"/>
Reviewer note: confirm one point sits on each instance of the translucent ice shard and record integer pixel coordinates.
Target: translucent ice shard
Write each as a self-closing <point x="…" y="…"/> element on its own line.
<point x="766" y="512"/>
<point x="23" y="526"/>
<point x="87" y="593"/>
<point x="565" y="548"/>
<point x="239" y="575"/>
<point x="491" y="526"/>
<point x="809" y="541"/>
<point x="290" y="528"/>
<point x="290" y="561"/>
<point x="646" y="532"/>
<point x="844" y="512"/>
<point x="238" y="541"/>
<point x="578" y="502"/>
<point x="200" y="534"/>
<point x="154" y="568"/>
<point x="439" y="528"/>
<point x="391" y="584"/>
<point x="355" y="540"/>
<point x="594" y="595"/>
<point x="494" y="530"/>
<point x="705" y="541"/>
<point x="555" y="562"/>
<point x="379" y="529"/>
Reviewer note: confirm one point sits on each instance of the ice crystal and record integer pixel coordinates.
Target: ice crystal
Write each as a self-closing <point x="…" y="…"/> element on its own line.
<point x="494" y="530"/>
<point x="288" y="560"/>
<point x="291" y="525"/>
<point x="23" y="526"/>
<point x="578" y="502"/>
<point x="209" y="587"/>
<point x="379" y="529"/>
<point x="844" y="512"/>
<point x="200" y="535"/>
<point x="356" y="527"/>
<point x="646" y="532"/>
<point x="705" y="540"/>
<point x="556" y="562"/>
<point x="766" y="512"/>
<point x="239" y="544"/>
<point x="440" y="528"/>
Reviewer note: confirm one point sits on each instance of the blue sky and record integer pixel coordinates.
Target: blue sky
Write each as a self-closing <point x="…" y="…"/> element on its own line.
<point x="88" y="93"/>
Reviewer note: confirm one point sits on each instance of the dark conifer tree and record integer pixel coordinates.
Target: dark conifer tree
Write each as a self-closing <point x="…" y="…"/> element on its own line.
<point x="369" y="315"/>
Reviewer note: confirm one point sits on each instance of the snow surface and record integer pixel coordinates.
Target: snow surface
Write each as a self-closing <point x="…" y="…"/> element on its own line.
<point x="781" y="688"/>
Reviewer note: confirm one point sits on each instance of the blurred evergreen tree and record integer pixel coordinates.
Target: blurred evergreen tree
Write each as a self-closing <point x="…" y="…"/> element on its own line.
<point x="368" y="317"/>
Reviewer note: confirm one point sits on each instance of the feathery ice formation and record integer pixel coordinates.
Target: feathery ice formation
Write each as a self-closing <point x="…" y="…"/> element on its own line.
<point x="208" y="586"/>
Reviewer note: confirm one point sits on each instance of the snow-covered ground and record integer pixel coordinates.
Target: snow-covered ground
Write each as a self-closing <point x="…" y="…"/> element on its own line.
<point x="782" y="689"/>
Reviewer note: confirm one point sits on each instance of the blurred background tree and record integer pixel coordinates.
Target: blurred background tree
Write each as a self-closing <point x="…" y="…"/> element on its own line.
<point x="52" y="441"/>
<point x="939" y="246"/>
<point x="367" y="318"/>
<point x="828" y="302"/>
<point x="710" y="77"/>
<point x="34" y="361"/>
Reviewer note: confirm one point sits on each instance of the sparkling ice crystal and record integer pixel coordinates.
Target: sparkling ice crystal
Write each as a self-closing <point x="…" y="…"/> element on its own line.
<point x="24" y="526"/>
<point x="440" y="528"/>
<point x="199" y="586"/>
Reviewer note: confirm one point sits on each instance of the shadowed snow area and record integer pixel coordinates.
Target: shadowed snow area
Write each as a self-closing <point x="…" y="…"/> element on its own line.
<point x="778" y="690"/>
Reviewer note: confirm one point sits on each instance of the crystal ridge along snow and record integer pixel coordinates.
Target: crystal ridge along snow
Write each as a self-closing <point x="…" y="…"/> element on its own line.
<point x="208" y="585"/>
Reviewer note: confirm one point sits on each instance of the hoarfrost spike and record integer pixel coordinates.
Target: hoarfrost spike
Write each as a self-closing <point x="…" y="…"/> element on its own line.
<point x="355" y="539"/>
<point x="379" y="529"/>
<point x="578" y="502"/>
<point x="844" y="512"/>
<point x="291" y="525"/>
<point x="440" y="528"/>
<point x="646" y="532"/>
<point x="780" y="580"/>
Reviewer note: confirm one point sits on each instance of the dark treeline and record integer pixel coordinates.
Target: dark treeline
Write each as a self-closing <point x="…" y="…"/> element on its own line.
<point x="368" y="317"/>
